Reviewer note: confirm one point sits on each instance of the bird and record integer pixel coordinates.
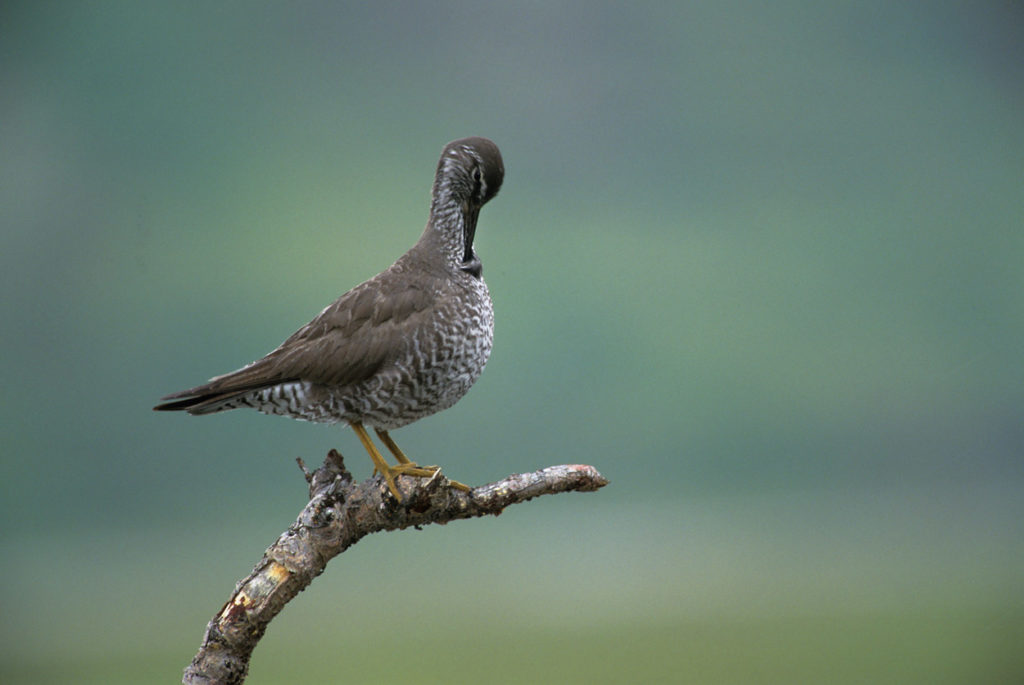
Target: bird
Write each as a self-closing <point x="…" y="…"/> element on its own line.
<point x="403" y="345"/>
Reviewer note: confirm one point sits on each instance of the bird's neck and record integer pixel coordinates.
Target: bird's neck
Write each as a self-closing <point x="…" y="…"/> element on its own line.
<point x="446" y="233"/>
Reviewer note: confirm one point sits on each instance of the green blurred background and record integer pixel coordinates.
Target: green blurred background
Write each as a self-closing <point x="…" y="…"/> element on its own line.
<point x="761" y="264"/>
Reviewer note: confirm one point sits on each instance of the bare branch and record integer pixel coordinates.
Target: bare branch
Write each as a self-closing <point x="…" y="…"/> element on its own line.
<point x="338" y="515"/>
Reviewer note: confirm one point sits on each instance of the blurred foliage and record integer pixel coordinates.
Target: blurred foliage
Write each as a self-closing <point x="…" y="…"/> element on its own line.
<point x="762" y="266"/>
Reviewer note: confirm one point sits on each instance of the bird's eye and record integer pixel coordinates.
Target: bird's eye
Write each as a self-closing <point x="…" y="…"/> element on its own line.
<point x="477" y="176"/>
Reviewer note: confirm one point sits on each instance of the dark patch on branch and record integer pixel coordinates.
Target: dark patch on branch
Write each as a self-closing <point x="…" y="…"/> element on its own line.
<point x="338" y="515"/>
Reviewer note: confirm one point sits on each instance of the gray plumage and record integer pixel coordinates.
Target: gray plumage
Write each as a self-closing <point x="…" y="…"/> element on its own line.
<point x="405" y="344"/>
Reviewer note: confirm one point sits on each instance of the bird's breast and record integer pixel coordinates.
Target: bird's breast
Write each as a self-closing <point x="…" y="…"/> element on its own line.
<point x="450" y="351"/>
<point x="441" y="356"/>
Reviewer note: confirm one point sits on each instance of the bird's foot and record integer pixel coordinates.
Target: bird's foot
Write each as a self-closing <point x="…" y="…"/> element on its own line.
<point x="459" y="486"/>
<point x="411" y="468"/>
<point x="405" y="466"/>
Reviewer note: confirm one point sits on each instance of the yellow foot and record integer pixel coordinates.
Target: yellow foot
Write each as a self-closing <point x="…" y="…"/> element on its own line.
<point x="459" y="486"/>
<point x="413" y="469"/>
<point x="405" y="466"/>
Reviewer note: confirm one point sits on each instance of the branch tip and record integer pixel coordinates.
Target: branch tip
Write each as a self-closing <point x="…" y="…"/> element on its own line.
<point x="305" y="471"/>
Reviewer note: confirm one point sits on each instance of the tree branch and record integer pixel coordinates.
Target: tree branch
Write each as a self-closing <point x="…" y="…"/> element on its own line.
<point x="338" y="515"/>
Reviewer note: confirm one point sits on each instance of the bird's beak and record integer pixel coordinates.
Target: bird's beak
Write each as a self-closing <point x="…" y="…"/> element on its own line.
<point x="470" y="212"/>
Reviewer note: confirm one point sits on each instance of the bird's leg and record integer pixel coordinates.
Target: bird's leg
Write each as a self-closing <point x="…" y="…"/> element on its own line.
<point x="405" y="467"/>
<point x="410" y="467"/>
<point x="379" y="464"/>
<point x="395" y="450"/>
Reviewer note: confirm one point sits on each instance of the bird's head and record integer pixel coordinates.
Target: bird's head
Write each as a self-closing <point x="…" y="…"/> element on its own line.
<point x="469" y="174"/>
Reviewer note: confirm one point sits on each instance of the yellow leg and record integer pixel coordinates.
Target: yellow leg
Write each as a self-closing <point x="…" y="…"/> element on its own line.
<point x="390" y="444"/>
<point x="413" y="467"/>
<point x="378" y="461"/>
<point x="404" y="467"/>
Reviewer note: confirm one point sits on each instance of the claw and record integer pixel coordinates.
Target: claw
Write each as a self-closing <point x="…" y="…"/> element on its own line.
<point x="405" y="466"/>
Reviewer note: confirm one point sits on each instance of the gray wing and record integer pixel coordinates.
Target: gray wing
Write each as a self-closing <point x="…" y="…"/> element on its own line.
<point x="348" y="342"/>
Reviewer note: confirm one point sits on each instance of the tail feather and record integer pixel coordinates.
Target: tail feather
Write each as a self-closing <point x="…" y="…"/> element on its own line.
<point x="212" y="396"/>
<point x="205" y="403"/>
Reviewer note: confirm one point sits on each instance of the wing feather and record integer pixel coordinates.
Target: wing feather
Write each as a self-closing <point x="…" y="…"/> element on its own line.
<point x="349" y="341"/>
